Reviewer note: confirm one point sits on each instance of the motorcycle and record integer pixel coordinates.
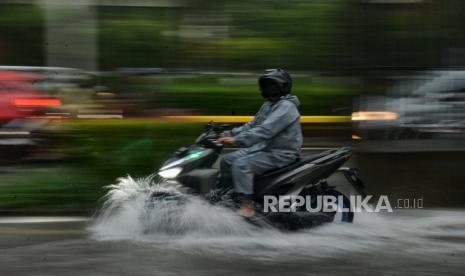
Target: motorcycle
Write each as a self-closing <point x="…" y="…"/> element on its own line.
<point x="193" y="167"/>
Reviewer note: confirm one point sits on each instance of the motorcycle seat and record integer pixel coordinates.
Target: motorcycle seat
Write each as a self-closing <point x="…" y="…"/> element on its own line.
<point x="297" y="163"/>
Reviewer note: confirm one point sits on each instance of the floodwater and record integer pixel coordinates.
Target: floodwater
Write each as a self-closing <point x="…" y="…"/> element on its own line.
<point x="198" y="239"/>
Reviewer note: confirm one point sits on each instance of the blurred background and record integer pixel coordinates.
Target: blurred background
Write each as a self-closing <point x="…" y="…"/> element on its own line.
<point x="91" y="90"/>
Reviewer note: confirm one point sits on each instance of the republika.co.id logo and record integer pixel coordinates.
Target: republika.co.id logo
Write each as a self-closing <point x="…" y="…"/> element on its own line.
<point x="331" y="203"/>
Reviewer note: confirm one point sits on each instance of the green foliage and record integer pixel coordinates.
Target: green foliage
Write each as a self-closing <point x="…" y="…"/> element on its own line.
<point x="101" y="151"/>
<point x="226" y="95"/>
<point x="118" y="147"/>
<point x="21" y="35"/>
<point x="335" y="36"/>
<point x="52" y="188"/>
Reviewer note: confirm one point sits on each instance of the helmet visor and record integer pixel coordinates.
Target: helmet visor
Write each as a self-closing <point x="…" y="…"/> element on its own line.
<point x="270" y="87"/>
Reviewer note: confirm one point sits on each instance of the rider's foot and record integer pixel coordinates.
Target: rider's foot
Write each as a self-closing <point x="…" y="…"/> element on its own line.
<point x="246" y="210"/>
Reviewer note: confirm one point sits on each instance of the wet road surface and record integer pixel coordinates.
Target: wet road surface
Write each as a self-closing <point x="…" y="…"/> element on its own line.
<point x="409" y="242"/>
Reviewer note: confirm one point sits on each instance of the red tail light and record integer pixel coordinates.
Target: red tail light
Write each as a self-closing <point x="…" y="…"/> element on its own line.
<point x="37" y="102"/>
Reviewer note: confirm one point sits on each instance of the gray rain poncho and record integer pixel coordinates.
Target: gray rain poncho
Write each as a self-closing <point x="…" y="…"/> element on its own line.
<point x="273" y="139"/>
<point x="275" y="128"/>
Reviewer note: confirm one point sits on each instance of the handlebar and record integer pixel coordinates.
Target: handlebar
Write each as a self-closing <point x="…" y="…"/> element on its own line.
<point x="211" y="126"/>
<point x="211" y="134"/>
<point x="208" y="139"/>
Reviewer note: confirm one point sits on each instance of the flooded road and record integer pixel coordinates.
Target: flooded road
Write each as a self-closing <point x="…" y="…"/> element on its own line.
<point x="192" y="237"/>
<point x="414" y="242"/>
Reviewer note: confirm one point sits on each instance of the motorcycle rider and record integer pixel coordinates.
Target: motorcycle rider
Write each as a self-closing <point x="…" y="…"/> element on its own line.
<point x="273" y="139"/>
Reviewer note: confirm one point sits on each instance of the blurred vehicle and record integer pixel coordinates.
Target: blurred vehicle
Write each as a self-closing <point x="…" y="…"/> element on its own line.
<point x="80" y="91"/>
<point x="427" y="106"/>
<point x="19" y="100"/>
<point x="23" y="111"/>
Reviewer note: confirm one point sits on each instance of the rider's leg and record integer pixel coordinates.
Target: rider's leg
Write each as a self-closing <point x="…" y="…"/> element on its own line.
<point x="225" y="167"/>
<point x="245" y="168"/>
<point x="243" y="171"/>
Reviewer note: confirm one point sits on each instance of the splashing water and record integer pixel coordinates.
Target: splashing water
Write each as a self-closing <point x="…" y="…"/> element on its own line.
<point x="192" y="224"/>
<point x="128" y="212"/>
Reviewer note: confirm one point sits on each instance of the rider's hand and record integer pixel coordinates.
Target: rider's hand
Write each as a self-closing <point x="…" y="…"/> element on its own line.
<point x="226" y="140"/>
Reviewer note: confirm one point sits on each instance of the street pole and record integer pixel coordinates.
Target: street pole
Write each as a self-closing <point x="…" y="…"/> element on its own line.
<point x="71" y="33"/>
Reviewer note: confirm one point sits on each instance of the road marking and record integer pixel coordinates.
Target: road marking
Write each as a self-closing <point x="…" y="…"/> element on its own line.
<point x="20" y="220"/>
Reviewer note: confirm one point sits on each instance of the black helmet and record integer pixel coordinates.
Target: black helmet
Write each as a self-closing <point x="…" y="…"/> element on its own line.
<point x="275" y="82"/>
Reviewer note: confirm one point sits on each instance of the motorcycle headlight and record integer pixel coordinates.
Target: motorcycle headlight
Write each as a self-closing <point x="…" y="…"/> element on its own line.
<point x="170" y="173"/>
